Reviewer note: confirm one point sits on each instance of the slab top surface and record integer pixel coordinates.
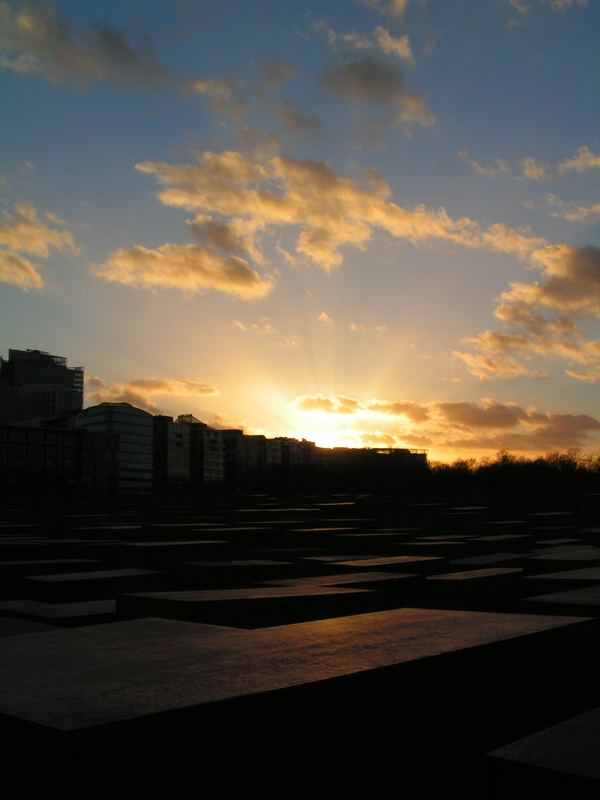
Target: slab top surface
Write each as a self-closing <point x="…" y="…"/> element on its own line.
<point x="77" y="678"/>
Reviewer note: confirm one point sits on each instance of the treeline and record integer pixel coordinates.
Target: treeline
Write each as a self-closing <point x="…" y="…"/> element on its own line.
<point x="505" y="470"/>
<point x="383" y="475"/>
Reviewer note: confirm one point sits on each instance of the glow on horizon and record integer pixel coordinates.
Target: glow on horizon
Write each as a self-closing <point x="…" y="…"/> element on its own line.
<point x="330" y="223"/>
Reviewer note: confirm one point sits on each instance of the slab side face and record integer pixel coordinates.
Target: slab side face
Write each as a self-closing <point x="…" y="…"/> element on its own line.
<point x="572" y="747"/>
<point x="99" y="674"/>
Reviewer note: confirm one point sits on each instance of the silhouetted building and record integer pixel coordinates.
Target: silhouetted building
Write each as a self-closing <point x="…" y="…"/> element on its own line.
<point x="134" y="449"/>
<point x="206" y="447"/>
<point x="296" y="453"/>
<point x="254" y="453"/>
<point x="371" y="468"/>
<point x="232" y="439"/>
<point x="172" y="453"/>
<point x="37" y="385"/>
<point x="57" y="460"/>
<point x="383" y="456"/>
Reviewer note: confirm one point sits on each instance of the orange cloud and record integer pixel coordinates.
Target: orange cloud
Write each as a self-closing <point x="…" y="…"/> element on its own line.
<point x="414" y="411"/>
<point x="378" y="439"/>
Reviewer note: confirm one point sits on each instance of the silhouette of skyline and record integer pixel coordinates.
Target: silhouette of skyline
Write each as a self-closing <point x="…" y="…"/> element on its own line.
<point x="366" y="224"/>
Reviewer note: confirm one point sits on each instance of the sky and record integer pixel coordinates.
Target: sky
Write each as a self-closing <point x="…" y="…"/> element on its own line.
<point x="362" y="222"/>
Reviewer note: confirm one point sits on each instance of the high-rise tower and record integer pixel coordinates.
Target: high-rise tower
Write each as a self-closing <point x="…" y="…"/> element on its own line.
<point x="38" y="385"/>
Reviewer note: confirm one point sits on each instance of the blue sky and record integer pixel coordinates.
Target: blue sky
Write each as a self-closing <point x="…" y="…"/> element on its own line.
<point x="364" y="222"/>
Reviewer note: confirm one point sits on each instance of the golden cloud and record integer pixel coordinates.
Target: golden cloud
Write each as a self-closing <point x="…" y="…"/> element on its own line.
<point x="325" y="318"/>
<point x="393" y="8"/>
<point x="583" y="160"/>
<point x="392" y="45"/>
<point x="560" y="5"/>
<point x="544" y="317"/>
<point x="413" y="411"/>
<point x="382" y="39"/>
<point x="263" y="326"/>
<point x="331" y="211"/>
<point x="188" y="267"/>
<point x="25" y="232"/>
<point x="485" y="424"/>
<point x="377" y="439"/>
<point x="19" y="271"/>
<point x="331" y="405"/>
<point x="571" y="211"/>
<point x="532" y="169"/>
<point x="488" y="414"/>
<point x="497" y="167"/>
<point x="141" y="391"/>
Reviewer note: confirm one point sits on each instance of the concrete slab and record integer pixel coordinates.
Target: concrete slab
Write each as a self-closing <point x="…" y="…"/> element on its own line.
<point x="248" y="608"/>
<point x="83" y="613"/>
<point x="549" y="582"/>
<point x="583" y="602"/>
<point x="92" y="676"/>
<point x="13" y="626"/>
<point x="421" y="564"/>
<point x="98" y="584"/>
<point x="13" y="569"/>
<point x="552" y="559"/>
<point x="220" y="574"/>
<point x="490" y="560"/>
<point x="562" y="760"/>
<point x="483" y="589"/>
